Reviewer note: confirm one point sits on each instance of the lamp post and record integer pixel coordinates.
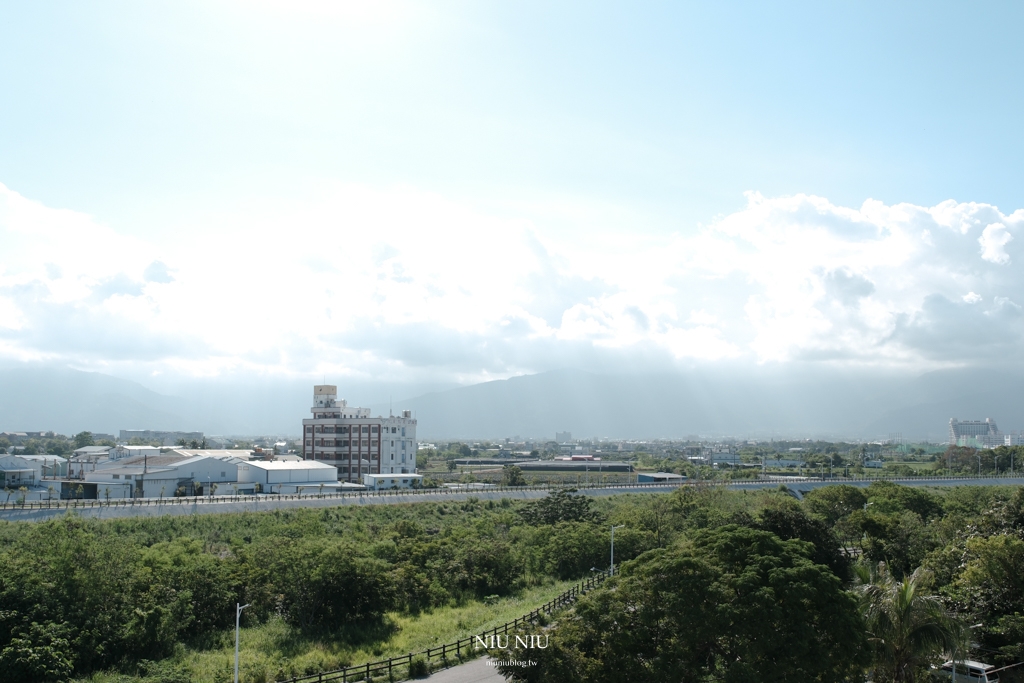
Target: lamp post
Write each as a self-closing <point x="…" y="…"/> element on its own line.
<point x="972" y="626"/>
<point x="238" y="615"/>
<point x="979" y="464"/>
<point x="612" y="563"/>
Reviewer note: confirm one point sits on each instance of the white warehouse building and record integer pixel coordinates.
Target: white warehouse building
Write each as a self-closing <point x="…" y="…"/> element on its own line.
<point x="275" y="476"/>
<point x="356" y="443"/>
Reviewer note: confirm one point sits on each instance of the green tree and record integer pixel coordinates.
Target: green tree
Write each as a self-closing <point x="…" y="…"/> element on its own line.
<point x="735" y="604"/>
<point x="512" y="476"/>
<point x="83" y="439"/>
<point x="786" y="520"/>
<point x="907" y="628"/>
<point x="990" y="588"/>
<point x="559" y="506"/>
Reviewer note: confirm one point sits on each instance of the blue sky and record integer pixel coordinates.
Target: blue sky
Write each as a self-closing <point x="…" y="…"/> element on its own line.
<point x="558" y="151"/>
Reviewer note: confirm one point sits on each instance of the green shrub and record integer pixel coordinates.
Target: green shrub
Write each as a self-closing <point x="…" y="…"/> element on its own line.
<point x="418" y="668"/>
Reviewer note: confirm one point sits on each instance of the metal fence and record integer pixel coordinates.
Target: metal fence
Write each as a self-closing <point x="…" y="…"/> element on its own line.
<point x="448" y="654"/>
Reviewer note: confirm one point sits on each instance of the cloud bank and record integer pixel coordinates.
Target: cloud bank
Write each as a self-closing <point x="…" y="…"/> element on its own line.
<point x="396" y="284"/>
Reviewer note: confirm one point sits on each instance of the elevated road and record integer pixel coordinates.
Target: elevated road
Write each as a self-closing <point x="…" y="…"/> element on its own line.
<point x="152" y="507"/>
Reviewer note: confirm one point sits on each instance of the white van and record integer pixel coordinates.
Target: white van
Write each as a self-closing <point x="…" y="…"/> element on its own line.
<point x="969" y="671"/>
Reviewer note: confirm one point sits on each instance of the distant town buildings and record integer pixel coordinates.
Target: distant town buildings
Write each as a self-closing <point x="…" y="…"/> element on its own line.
<point x="977" y="433"/>
<point x="563" y="437"/>
<point x="165" y="438"/>
<point x="356" y="443"/>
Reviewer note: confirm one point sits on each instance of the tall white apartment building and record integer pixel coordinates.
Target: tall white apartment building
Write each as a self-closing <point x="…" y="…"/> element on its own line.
<point x="354" y="442"/>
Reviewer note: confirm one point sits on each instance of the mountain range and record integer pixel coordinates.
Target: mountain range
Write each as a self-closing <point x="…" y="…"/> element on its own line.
<point x="759" y="403"/>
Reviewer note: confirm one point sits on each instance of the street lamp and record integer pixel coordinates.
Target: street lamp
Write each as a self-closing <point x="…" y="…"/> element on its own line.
<point x="612" y="563"/>
<point x="979" y="464"/>
<point x="238" y="615"/>
<point x="972" y="626"/>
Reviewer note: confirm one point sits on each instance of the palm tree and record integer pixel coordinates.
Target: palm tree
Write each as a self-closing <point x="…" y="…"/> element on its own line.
<point x="908" y="628"/>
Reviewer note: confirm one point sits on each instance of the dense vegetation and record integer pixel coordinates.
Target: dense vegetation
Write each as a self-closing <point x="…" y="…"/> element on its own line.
<point x="726" y="585"/>
<point x="80" y="595"/>
<point x="748" y="587"/>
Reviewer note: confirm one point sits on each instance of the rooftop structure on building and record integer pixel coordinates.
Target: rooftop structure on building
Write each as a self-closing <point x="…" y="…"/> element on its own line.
<point x="975" y="433"/>
<point x="354" y="442"/>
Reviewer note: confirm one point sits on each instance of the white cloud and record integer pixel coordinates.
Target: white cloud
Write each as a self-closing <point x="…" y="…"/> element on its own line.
<point x="993" y="240"/>
<point x="398" y="283"/>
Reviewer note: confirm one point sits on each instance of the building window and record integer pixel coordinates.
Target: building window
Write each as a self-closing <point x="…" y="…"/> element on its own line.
<point x="309" y="442"/>
<point x="117" y="476"/>
<point x="374" y="443"/>
<point x="344" y="430"/>
<point x="127" y="476"/>
<point x="366" y="430"/>
<point x="374" y="429"/>
<point x="309" y="429"/>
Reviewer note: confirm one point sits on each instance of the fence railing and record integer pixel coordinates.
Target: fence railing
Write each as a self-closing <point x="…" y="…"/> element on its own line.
<point x="185" y="501"/>
<point x="447" y="654"/>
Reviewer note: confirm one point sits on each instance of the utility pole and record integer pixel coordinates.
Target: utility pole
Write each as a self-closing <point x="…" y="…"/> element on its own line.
<point x="612" y="571"/>
<point x="238" y="615"/>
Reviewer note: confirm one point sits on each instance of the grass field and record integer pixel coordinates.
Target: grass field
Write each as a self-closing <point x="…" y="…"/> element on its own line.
<point x="275" y="650"/>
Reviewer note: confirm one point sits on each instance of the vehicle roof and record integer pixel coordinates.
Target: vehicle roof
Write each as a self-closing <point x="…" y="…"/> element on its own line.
<point x="970" y="662"/>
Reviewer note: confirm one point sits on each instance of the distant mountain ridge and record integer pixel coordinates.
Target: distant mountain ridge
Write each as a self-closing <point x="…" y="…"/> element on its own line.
<point x="758" y="404"/>
<point x="68" y="401"/>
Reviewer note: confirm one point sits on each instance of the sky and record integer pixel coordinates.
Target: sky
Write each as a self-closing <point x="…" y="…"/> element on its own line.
<point x="448" y="193"/>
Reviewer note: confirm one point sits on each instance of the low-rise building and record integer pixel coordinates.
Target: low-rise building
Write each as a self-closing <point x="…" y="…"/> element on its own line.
<point x="288" y="477"/>
<point x="16" y="472"/>
<point x="163" y="476"/>
<point x="660" y="477"/>
<point x="379" y="482"/>
<point x="48" y="466"/>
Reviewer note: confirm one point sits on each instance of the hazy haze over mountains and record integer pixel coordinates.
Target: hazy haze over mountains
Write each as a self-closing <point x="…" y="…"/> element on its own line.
<point x="760" y="405"/>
